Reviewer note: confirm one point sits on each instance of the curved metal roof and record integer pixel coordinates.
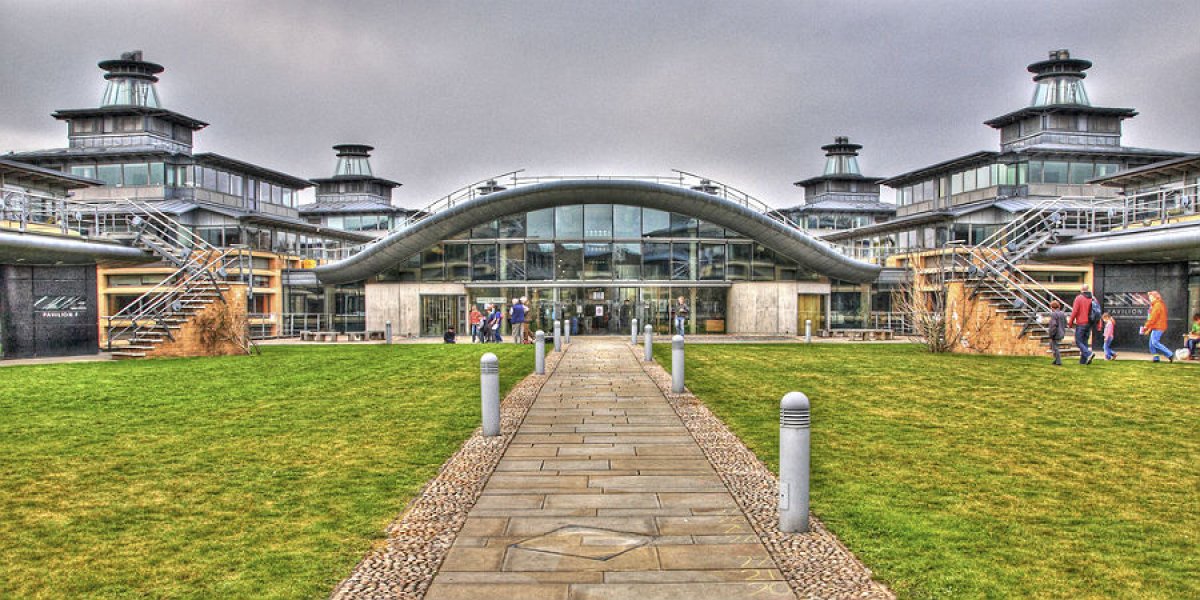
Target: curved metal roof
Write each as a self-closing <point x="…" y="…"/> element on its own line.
<point x="789" y="242"/>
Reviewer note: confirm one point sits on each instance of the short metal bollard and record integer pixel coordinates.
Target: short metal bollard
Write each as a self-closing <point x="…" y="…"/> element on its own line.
<point x="633" y="333"/>
<point x="794" y="417"/>
<point x="648" y="333"/>
<point x="539" y="344"/>
<point x="558" y="336"/>
<point x="677" y="364"/>
<point x="387" y="332"/>
<point x="489" y="391"/>
<point x="808" y="331"/>
<point x="566" y="332"/>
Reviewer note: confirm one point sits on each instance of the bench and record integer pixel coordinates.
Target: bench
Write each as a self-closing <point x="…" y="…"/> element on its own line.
<point x="325" y="336"/>
<point x="376" y="335"/>
<point x="861" y="335"/>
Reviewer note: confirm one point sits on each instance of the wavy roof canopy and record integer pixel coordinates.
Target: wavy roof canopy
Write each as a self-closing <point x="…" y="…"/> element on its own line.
<point x="787" y="241"/>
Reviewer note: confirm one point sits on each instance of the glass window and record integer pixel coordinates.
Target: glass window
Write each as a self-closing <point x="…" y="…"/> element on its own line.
<point x="683" y="261"/>
<point x="568" y="222"/>
<point x="541" y="224"/>
<point x="208" y="178"/>
<point x="1035" y="171"/>
<point x="764" y="263"/>
<point x="512" y="262"/>
<point x="222" y="182"/>
<point x="627" y="222"/>
<point x="1081" y="172"/>
<point x="968" y="180"/>
<point x="627" y="260"/>
<point x="655" y="223"/>
<point x="235" y="185"/>
<point x="457" y="266"/>
<point x="738" y="263"/>
<point x="656" y="260"/>
<point x="483" y="262"/>
<point x="568" y="257"/>
<point x="598" y="221"/>
<point x="956" y="183"/>
<point x="1106" y="169"/>
<point x="485" y="231"/>
<point x="433" y="267"/>
<point x="1054" y="172"/>
<point x="983" y="177"/>
<point x="683" y="226"/>
<point x="287" y="198"/>
<point x="109" y="174"/>
<point x="708" y="230"/>
<point x="264" y="191"/>
<point x="597" y="261"/>
<point x="512" y="226"/>
<point x="157" y="174"/>
<point x="712" y="261"/>
<point x="539" y="261"/>
<point x="88" y="171"/>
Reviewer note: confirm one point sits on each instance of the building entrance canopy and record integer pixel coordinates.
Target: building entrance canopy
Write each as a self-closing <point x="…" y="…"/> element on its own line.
<point x="784" y="239"/>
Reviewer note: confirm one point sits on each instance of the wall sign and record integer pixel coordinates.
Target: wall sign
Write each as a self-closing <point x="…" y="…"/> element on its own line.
<point x="60" y="307"/>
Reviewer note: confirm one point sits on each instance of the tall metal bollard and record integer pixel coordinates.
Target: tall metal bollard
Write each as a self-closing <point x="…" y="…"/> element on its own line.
<point x="567" y="331"/>
<point x="558" y="336"/>
<point x="539" y="344"/>
<point x="808" y="331"/>
<point x="677" y="364"/>
<point x="489" y="391"/>
<point x="387" y="331"/>
<point x="633" y="333"/>
<point x="793" y="462"/>
<point x="648" y="333"/>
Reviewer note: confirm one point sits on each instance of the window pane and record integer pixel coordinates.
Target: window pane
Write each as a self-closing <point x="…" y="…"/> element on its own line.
<point x="483" y="262"/>
<point x="1054" y="172"/>
<point x="1081" y="172"/>
<point x="956" y="183"/>
<point x="597" y="221"/>
<point x="983" y="177"/>
<point x="457" y="266"/>
<point x="568" y="222"/>
<point x="223" y="182"/>
<point x="597" y="261"/>
<point x="655" y="223"/>
<point x="432" y="265"/>
<point x="708" y="230"/>
<point x="512" y="226"/>
<point x="656" y="261"/>
<point x="738" y="266"/>
<point x="541" y="224"/>
<point x="109" y="174"/>
<point x="485" y="231"/>
<point x="88" y="171"/>
<point x="764" y="263"/>
<point x="683" y="261"/>
<point x="568" y="258"/>
<point x="627" y="260"/>
<point x="627" y="222"/>
<point x="157" y="174"/>
<point x="682" y="226"/>
<point x="512" y="261"/>
<point x="712" y="261"/>
<point x="539" y="261"/>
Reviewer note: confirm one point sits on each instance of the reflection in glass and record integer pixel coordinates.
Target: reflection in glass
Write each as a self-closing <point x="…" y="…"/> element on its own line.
<point x="432" y="267"/>
<point x="457" y="267"/>
<point x="764" y="263"/>
<point x="627" y="261"/>
<point x="512" y="226"/>
<point x="627" y="222"/>
<point x="483" y="262"/>
<point x="539" y="262"/>
<point x="541" y="224"/>
<point x="682" y="226"/>
<point x="512" y="261"/>
<point x="738" y="265"/>
<point x="655" y="223"/>
<point x="568" y="260"/>
<point x="712" y="261"/>
<point x="484" y="231"/>
<point x="656" y="261"/>
<point x="683" y="261"/>
<point x="597" y="261"/>
<point x="597" y="221"/>
<point x="568" y="222"/>
<point x="708" y="230"/>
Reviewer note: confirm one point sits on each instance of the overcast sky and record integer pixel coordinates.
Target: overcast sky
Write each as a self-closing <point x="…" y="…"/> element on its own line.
<point x="742" y="91"/>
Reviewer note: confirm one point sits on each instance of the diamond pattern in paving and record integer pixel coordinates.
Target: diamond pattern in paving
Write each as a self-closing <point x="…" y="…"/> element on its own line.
<point x="603" y="494"/>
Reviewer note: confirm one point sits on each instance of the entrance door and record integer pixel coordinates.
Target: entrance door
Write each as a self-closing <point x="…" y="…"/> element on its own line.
<point x="439" y="312"/>
<point x="810" y="307"/>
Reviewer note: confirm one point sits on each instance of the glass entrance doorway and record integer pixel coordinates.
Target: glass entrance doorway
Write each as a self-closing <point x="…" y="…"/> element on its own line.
<point x="440" y="312"/>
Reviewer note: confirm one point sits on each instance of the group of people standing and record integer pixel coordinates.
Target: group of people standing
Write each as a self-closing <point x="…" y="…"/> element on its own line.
<point x="485" y="325"/>
<point x="1089" y="321"/>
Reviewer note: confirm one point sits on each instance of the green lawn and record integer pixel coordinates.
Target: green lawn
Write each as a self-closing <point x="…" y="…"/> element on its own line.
<point x="236" y="477"/>
<point x="984" y="477"/>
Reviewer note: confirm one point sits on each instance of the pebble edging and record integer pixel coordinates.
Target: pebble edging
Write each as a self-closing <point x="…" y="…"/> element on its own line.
<point x="816" y="564"/>
<point x="403" y="567"/>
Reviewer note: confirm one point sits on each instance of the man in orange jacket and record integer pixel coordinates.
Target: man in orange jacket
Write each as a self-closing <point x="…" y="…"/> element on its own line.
<point x="1156" y="325"/>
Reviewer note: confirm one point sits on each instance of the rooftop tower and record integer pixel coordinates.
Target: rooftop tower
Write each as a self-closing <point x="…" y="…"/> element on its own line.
<point x="353" y="160"/>
<point x="131" y="81"/>
<point x="841" y="157"/>
<point x="1060" y="80"/>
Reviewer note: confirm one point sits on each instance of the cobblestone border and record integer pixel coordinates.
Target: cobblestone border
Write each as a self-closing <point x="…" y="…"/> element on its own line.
<point x="417" y="541"/>
<point x="815" y="564"/>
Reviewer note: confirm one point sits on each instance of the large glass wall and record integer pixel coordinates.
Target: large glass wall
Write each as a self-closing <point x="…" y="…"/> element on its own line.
<point x="597" y="242"/>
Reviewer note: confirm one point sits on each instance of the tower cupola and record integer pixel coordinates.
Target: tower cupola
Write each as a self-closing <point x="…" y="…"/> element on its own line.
<point x="353" y="160"/>
<point x="1059" y="80"/>
<point x="841" y="157"/>
<point x="131" y="81"/>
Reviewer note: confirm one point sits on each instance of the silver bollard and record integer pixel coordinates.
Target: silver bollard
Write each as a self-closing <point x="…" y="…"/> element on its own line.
<point x="633" y="333"/>
<point x="808" y="331"/>
<point x="567" y="331"/>
<point x="387" y="332"/>
<point x="539" y="344"/>
<point x="794" y="434"/>
<point x="677" y="364"/>
<point x="649" y="335"/>
<point x="558" y="336"/>
<point x="489" y="391"/>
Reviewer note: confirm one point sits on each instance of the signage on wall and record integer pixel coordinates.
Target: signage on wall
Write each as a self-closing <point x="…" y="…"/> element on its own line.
<point x="60" y="307"/>
<point x="1126" y="304"/>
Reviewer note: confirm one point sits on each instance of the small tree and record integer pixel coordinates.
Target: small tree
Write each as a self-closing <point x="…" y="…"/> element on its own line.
<point x="944" y="314"/>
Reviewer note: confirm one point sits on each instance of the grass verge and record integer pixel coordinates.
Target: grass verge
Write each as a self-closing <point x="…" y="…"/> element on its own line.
<point x="246" y="476"/>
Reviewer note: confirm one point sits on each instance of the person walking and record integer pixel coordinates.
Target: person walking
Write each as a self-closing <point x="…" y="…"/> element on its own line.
<point x="1156" y="325"/>
<point x="1081" y="310"/>
<point x="1110" y="332"/>
<point x="518" y="320"/>
<point x="681" y="315"/>
<point x="475" y="318"/>
<point x="1057" y="329"/>
<point x="495" y="320"/>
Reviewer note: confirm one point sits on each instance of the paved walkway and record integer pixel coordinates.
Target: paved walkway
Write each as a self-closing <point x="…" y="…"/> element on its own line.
<point x="603" y="494"/>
